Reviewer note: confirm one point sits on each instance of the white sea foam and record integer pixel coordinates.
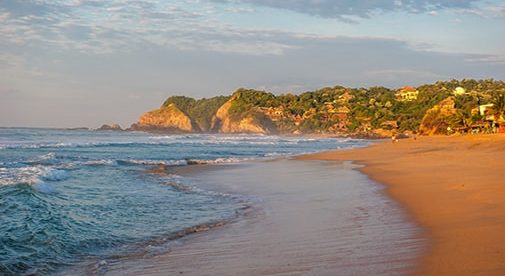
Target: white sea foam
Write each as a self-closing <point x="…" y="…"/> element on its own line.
<point x="69" y="145"/>
<point x="273" y="154"/>
<point x="101" y="162"/>
<point x="246" y="139"/>
<point x="184" y="162"/>
<point x="197" y="139"/>
<point x="55" y="175"/>
<point x="43" y="158"/>
<point x="229" y="160"/>
<point x="155" y="162"/>
<point x="31" y="175"/>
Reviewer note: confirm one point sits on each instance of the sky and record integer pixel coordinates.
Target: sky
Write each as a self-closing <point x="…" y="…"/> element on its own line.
<point x="72" y="63"/>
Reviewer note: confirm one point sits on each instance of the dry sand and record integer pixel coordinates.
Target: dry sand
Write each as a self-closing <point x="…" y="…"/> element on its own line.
<point x="454" y="187"/>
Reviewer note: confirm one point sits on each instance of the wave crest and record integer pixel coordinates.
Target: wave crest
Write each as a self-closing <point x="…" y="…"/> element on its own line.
<point x="31" y="175"/>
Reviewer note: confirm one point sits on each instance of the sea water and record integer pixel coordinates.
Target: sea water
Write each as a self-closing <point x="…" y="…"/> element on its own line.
<point x="71" y="195"/>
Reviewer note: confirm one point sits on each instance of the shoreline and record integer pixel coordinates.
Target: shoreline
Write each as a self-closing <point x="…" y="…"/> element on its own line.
<point x="453" y="188"/>
<point x="349" y="226"/>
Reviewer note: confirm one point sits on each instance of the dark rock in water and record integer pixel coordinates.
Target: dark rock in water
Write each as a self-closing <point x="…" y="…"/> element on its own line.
<point x="113" y="127"/>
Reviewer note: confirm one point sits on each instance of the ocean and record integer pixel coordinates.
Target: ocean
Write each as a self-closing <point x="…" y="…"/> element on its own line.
<point x="67" y="196"/>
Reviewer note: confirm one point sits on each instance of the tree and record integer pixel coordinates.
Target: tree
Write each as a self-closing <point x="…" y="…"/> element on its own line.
<point x="498" y="105"/>
<point x="462" y="118"/>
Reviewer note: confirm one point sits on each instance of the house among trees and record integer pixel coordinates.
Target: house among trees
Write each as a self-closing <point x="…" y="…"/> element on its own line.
<point x="406" y="94"/>
<point x="494" y="121"/>
<point x="484" y="110"/>
<point x="459" y="91"/>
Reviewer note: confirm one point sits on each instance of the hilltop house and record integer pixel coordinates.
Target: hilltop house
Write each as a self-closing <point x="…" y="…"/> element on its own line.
<point x="458" y="91"/>
<point x="407" y="93"/>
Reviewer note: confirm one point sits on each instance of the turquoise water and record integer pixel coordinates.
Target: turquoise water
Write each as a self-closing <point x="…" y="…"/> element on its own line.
<point x="70" y="195"/>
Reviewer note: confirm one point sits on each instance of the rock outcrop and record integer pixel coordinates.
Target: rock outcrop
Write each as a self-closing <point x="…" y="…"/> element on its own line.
<point x="113" y="127"/>
<point x="224" y="122"/>
<point x="436" y="120"/>
<point x="167" y="118"/>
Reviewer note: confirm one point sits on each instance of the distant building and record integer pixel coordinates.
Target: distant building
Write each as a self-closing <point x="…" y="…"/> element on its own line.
<point x="484" y="109"/>
<point x="458" y="91"/>
<point x="497" y="122"/>
<point x="406" y="94"/>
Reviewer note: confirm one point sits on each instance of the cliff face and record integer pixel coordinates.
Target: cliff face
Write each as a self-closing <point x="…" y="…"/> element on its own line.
<point x="224" y="122"/>
<point x="165" y="118"/>
<point x="436" y="119"/>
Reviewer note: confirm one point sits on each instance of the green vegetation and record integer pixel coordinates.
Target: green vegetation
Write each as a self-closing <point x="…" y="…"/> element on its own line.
<point x="443" y="106"/>
<point x="498" y="102"/>
<point x="200" y="111"/>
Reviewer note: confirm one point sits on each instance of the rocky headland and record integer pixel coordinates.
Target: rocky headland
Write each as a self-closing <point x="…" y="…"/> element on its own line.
<point x="431" y="109"/>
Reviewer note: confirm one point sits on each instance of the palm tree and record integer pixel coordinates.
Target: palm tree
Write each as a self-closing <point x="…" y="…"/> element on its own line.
<point x="498" y="105"/>
<point x="462" y="118"/>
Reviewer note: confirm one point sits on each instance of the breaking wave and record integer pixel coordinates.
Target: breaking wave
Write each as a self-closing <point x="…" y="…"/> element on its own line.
<point x="31" y="175"/>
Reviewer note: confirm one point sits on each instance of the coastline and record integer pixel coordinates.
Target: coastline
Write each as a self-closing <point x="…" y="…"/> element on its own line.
<point x="311" y="217"/>
<point x="453" y="188"/>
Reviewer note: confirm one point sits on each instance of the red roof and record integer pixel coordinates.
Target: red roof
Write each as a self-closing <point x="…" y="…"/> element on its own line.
<point x="408" y="89"/>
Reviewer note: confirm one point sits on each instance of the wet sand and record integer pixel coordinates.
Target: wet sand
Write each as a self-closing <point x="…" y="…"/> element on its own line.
<point x="454" y="187"/>
<point x="308" y="218"/>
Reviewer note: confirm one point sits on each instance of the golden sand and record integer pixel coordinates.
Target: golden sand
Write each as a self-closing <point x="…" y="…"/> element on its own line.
<point x="454" y="187"/>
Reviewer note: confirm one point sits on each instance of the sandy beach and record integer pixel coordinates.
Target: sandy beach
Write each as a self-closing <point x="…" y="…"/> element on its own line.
<point x="307" y="218"/>
<point x="454" y="187"/>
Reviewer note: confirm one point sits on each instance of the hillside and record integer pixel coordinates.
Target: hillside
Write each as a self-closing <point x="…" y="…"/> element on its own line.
<point x="443" y="107"/>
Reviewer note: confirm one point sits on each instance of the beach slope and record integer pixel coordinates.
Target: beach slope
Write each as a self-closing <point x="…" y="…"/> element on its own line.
<point x="452" y="186"/>
<point x="306" y="218"/>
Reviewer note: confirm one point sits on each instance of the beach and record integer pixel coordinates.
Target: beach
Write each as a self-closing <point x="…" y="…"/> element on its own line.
<point x="453" y="187"/>
<point x="305" y="218"/>
<point x="426" y="206"/>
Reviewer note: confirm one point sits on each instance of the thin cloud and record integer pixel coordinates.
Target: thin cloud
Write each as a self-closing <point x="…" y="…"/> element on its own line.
<point x="496" y="10"/>
<point x="104" y="27"/>
<point x="491" y="59"/>
<point x="342" y="9"/>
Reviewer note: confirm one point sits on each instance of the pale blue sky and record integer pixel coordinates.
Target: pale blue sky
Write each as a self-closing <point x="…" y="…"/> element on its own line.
<point x="85" y="62"/>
